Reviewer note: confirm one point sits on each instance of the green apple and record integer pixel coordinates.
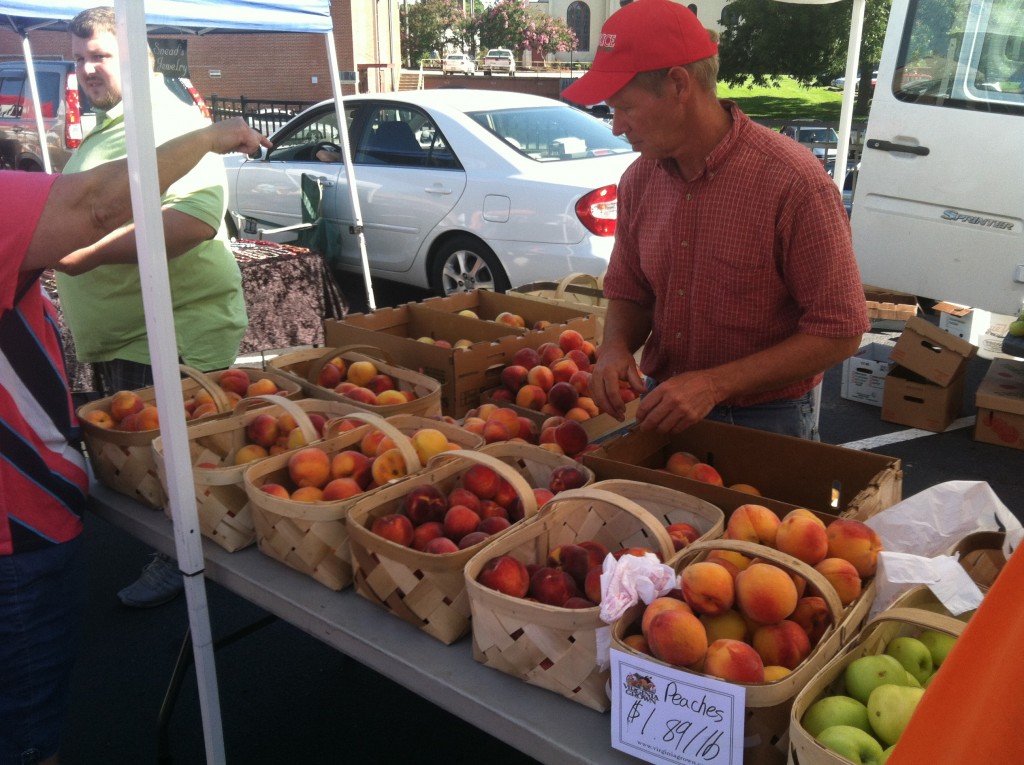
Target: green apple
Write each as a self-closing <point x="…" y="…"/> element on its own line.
<point x="852" y="743"/>
<point x="835" y="710"/>
<point x="865" y="674"/>
<point x="890" y="708"/>
<point x="886" y="754"/>
<point x="913" y="682"/>
<point x="939" y="645"/>
<point x="914" y="655"/>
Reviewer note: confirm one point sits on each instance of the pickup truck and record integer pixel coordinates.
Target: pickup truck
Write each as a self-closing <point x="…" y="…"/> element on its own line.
<point x="499" y="60"/>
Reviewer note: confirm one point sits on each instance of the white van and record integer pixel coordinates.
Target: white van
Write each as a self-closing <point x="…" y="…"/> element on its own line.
<point x="939" y="205"/>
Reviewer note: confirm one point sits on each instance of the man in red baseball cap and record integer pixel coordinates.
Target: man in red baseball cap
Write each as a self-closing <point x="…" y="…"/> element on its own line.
<point x="733" y="263"/>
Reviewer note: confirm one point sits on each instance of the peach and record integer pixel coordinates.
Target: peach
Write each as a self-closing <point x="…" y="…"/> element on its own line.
<point x="275" y="490"/>
<point x="263" y="429"/>
<point x="125" y="402"/>
<point x="774" y="673"/>
<point x="765" y="594"/>
<point x="783" y="644"/>
<point x="250" y="453"/>
<point x="752" y="523"/>
<point x="580" y="359"/>
<point x="495" y="432"/>
<point x="549" y="352"/>
<point x="856" y="542"/>
<point x="588" y="405"/>
<point x="328" y="376"/>
<point x="234" y="380"/>
<point x="563" y="369"/>
<point x="428" y="442"/>
<point x="344" y="387"/>
<point x="566" y="477"/>
<point x="563" y="396"/>
<point x="677" y="637"/>
<point x="361" y="372"/>
<point x="581" y="382"/>
<point x="351" y="464"/>
<point x="472" y="538"/>
<point x="394" y="527"/>
<point x="424" y="533"/>
<point x="440" y="546"/>
<point x="728" y="624"/>
<point x="813" y="616"/>
<point x="705" y="473"/>
<point x="481" y="480"/>
<point x="370" y="442"/>
<point x="341" y="488"/>
<point x="474" y="425"/>
<point x="571" y="436"/>
<point x="578" y="562"/>
<point x="462" y="496"/>
<point x="505" y="494"/>
<point x="802" y="535"/>
<point x="507" y="417"/>
<point x="514" y="377"/>
<point x="570" y="340"/>
<point x="380" y="383"/>
<point x="638" y="643"/>
<point x="147" y="418"/>
<point x="307" y="494"/>
<point x="843" y="576"/>
<point x="309" y="466"/>
<point x="100" y="419"/>
<point x="738" y="560"/>
<point x="682" y="534"/>
<point x="541" y="376"/>
<point x="526" y="357"/>
<point x="491" y="509"/>
<point x="707" y="587"/>
<point x="658" y="605"/>
<point x="511" y="319"/>
<point x="388" y="466"/>
<point x="204" y="410"/>
<point x="361" y="395"/>
<point x="592" y="584"/>
<point x="680" y="463"/>
<point x="264" y="386"/>
<point x="552" y="586"/>
<point x="503" y="395"/>
<point x="458" y="521"/>
<point x="531" y="396"/>
<point x="578" y="601"/>
<point x="392" y="397"/>
<point x="528" y="429"/>
<point x="734" y="661"/>
<point x="746" y="488"/>
<point x="552" y="447"/>
<point x="424" y="503"/>
<point x="294" y="439"/>
<point x="493" y="525"/>
<point x="505" y="574"/>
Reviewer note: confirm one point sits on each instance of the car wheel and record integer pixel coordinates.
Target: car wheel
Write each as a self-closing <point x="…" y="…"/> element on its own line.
<point x="465" y="264"/>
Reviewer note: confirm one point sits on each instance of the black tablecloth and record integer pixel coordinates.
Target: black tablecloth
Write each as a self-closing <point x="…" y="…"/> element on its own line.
<point x="288" y="293"/>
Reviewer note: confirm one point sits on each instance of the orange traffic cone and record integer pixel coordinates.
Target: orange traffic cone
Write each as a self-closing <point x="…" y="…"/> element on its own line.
<point x="972" y="709"/>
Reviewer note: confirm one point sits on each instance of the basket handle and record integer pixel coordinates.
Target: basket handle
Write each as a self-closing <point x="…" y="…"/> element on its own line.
<point x="209" y="385"/>
<point x="921" y="618"/>
<point x="795" y="565"/>
<point x="301" y="418"/>
<point x="523" y="489"/>
<point x="412" y="460"/>
<point x="633" y="508"/>
<point x="586" y="280"/>
<point x="318" y="364"/>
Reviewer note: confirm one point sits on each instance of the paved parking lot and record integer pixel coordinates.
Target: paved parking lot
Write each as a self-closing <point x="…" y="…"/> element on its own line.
<point x="287" y="698"/>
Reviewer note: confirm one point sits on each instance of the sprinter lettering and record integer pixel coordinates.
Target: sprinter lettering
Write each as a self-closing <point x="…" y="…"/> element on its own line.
<point x="976" y="220"/>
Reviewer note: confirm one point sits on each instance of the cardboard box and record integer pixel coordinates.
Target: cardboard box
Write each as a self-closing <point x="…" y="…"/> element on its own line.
<point x="997" y="343"/>
<point x="596" y="427"/>
<point x="487" y="305"/>
<point x="963" y="321"/>
<point x="933" y="353"/>
<point x="889" y="310"/>
<point x="912" y="400"/>
<point x="583" y="295"/>
<point x="464" y="373"/>
<point x="790" y="472"/>
<point x="864" y="374"/>
<point x="1000" y="403"/>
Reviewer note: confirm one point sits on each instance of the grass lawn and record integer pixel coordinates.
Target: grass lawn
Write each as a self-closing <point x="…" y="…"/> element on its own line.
<point x="788" y="101"/>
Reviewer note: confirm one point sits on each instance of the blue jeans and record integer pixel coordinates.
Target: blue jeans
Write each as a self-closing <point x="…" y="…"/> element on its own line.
<point x="41" y="598"/>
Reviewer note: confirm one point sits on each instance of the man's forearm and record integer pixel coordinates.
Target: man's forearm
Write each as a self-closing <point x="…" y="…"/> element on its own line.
<point x="626" y="324"/>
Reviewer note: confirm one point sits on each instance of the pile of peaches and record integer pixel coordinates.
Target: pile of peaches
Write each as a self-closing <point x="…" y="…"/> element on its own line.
<point x="362" y="382"/>
<point x="268" y="434"/>
<point x="128" y="411"/>
<point x="317" y="476"/>
<point x="688" y="465"/>
<point x="748" y="620"/>
<point x="482" y="504"/>
<point x="501" y="423"/>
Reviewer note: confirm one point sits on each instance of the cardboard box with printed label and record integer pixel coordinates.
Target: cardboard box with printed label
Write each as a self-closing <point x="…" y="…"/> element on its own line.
<point x="931" y="352"/>
<point x="912" y="400"/>
<point x="963" y="321"/>
<point x="864" y="374"/>
<point x="789" y="472"/>
<point x="1000" y="404"/>
<point x="464" y="373"/>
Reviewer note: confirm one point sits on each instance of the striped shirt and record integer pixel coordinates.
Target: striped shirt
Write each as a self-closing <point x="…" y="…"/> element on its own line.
<point x="754" y="250"/>
<point x="43" y="480"/>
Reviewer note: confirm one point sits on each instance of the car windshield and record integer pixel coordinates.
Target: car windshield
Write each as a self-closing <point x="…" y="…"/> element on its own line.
<point x="552" y="133"/>
<point x="818" y="135"/>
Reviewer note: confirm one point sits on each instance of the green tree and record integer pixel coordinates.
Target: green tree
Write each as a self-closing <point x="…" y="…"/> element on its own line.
<point x="503" y="25"/>
<point x="425" y="28"/>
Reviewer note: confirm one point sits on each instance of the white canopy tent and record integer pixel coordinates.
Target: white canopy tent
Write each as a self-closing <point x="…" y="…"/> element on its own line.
<point x="200" y="17"/>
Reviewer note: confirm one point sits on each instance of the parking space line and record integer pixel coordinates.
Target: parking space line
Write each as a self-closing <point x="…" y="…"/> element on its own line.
<point x="904" y="435"/>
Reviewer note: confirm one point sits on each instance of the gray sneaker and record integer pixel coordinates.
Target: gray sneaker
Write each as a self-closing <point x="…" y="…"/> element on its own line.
<point x="159" y="583"/>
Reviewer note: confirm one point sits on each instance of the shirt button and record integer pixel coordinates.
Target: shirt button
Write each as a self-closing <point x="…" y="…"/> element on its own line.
<point x="678" y="335"/>
<point x="684" y="244"/>
<point x="689" y="197"/>
<point x="682" y="291"/>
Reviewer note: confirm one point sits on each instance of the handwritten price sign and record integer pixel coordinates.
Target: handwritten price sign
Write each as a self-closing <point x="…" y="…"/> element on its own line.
<point x="665" y="715"/>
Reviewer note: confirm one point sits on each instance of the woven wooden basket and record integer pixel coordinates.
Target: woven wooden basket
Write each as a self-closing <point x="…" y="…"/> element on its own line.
<point x="669" y="505"/>
<point x="425" y="589"/>
<point x="768" y="704"/>
<point x="550" y="647"/>
<point x="123" y="460"/>
<point x="224" y="510"/>
<point x="303" y="366"/>
<point x="577" y="290"/>
<point x="879" y="632"/>
<point x="311" y="537"/>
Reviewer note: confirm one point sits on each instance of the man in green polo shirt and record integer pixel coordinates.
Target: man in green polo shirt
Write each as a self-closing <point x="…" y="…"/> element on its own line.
<point x="103" y="308"/>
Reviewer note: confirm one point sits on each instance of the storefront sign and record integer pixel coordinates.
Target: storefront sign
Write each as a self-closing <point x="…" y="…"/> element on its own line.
<point x="171" y="57"/>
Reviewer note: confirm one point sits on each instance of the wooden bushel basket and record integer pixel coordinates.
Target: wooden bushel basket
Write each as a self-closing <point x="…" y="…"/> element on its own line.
<point x="577" y="290"/>
<point x="303" y="366"/>
<point x="311" y="537"/>
<point x="425" y="589"/>
<point x="669" y="505"/>
<point x="225" y="515"/>
<point x="768" y="704"/>
<point x="886" y="626"/>
<point x="550" y="647"/>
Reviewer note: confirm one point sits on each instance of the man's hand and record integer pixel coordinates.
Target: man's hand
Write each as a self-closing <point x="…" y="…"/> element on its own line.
<point x="235" y="135"/>
<point x="614" y="364"/>
<point x="678" y="403"/>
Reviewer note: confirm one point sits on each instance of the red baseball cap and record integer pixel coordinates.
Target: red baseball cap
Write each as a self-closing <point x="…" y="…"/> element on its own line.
<point x="640" y="37"/>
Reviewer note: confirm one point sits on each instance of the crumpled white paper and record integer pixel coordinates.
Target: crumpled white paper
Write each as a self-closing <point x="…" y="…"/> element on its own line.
<point x="624" y="583"/>
<point x="918" y="532"/>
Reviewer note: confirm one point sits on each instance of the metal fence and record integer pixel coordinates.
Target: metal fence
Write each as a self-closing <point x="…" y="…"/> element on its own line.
<point x="262" y="114"/>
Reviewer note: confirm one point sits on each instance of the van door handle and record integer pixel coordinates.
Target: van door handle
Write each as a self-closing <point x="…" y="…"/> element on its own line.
<point x="326" y="183"/>
<point x="437" y="188"/>
<point x="921" y="151"/>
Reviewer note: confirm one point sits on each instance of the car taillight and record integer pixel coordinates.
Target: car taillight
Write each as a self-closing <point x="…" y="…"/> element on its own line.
<point x="598" y="210"/>
<point x="73" y="113"/>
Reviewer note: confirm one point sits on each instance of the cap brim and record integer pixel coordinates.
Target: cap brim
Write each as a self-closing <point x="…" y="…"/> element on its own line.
<point x="595" y="87"/>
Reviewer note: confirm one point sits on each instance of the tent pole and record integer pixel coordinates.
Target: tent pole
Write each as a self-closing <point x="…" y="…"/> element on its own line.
<point x="346" y="153"/>
<point x="163" y="350"/>
<point x="33" y="86"/>
<point x="849" y="94"/>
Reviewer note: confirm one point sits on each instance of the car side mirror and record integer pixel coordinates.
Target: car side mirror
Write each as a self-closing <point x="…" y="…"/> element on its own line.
<point x="260" y="153"/>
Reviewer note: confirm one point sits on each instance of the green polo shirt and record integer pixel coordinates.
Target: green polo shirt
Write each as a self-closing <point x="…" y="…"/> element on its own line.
<point x="103" y="308"/>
